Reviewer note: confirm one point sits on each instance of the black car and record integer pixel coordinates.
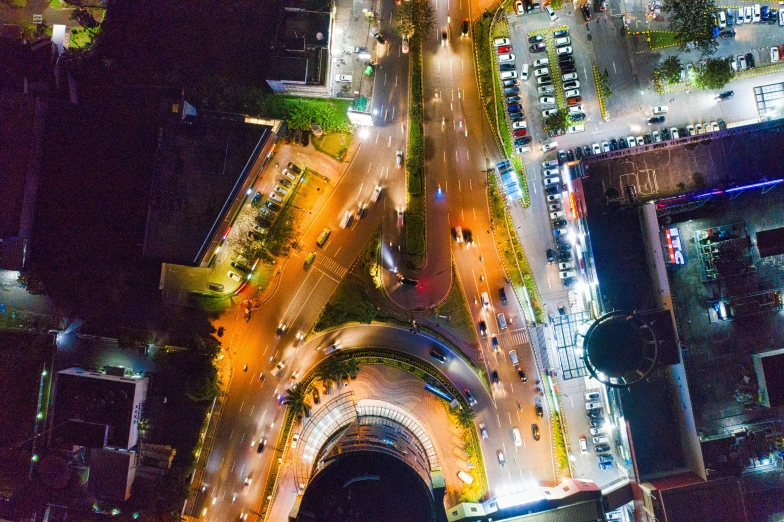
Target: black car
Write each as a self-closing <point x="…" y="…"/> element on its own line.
<point x="561" y="33"/>
<point x="379" y="38"/>
<point x="273" y="206"/>
<point x="305" y="138"/>
<point x="564" y="256"/>
<point x="647" y="139"/>
<point x="586" y="12"/>
<point x="436" y="354"/>
<point x="516" y="116"/>
<point x="655" y="119"/>
<point x="559" y="223"/>
<point x="597" y="423"/>
<point x="570" y="155"/>
<point x="263" y="222"/>
<point x="682" y="132"/>
<point x="726" y="95"/>
<point x="601" y="448"/>
<point x="261" y="446"/>
<point x="550" y="255"/>
<point x="749" y="60"/>
<point x="598" y="413"/>
<point x="665" y="134"/>
<point x="240" y="266"/>
<point x="553" y="189"/>
<point x="482" y="327"/>
<point x="564" y="247"/>
<point x="578" y="151"/>
<point x="566" y="58"/>
<point x="561" y="157"/>
<point x="297" y="136"/>
<point x="536" y="39"/>
<point x="506" y="67"/>
<point x="535" y="431"/>
<point x="539" y="411"/>
<point x="538" y="48"/>
<point x="464" y="27"/>
<point x="256" y="200"/>
<point x="587" y="151"/>
<point x="613" y="144"/>
<point x="502" y="296"/>
<point x="545" y="80"/>
<point x="729" y="33"/>
<point x="567" y="68"/>
<point x="512" y="90"/>
<point x="525" y="140"/>
<point x="521" y="374"/>
<point x="293" y="168"/>
<point x="494" y="376"/>
<point x="510" y="83"/>
<point x="722" y="124"/>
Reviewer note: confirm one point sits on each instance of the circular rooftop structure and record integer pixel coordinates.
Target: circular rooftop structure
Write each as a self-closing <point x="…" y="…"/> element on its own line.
<point x="620" y="349"/>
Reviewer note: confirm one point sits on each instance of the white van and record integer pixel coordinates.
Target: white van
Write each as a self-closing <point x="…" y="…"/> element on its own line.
<point x="274" y="197"/>
<point x="601" y="439"/>
<point x="465" y="477"/>
<point x="516" y="437"/>
<point x="756" y="13"/>
<point x="508" y="75"/>
<point x="583" y="445"/>
<point x="661" y="110"/>
<point x="592" y="396"/>
<point x="513" y="357"/>
<point x="576" y="128"/>
<point x="524" y="71"/>
<point x="346" y="218"/>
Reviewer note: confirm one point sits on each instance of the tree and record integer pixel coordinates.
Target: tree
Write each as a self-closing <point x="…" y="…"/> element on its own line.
<point x="557" y="121"/>
<point x="403" y="23"/>
<point x="692" y="22"/>
<point x="670" y="70"/>
<point x="715" y="75"/>
<point x="423" y="16"/>
<point x="330" y="371"/>
<point x="465" y="417"/>
<point x="352" y="367"/>
<point x="296" y="399"/>
<point x="603" y="84"/>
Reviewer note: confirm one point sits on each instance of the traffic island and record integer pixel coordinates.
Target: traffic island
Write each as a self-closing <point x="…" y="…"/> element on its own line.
<point x="415" y="241"/>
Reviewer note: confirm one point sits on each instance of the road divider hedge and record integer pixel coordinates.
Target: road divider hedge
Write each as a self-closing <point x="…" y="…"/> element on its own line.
<point x="416" y="246"/>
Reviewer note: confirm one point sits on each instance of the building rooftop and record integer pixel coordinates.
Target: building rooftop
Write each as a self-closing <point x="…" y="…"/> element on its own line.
<point x="200" y="167"/>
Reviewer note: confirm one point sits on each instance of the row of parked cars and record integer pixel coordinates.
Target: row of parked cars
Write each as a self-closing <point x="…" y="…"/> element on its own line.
<point x="750" y="14"/>
<point x="595" y="412"/>
<point x="511" y="87"/>
<point x="551" y="178"/>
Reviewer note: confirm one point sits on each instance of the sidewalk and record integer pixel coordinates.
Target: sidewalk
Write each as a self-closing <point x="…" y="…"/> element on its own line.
<point x="352" y="30"/>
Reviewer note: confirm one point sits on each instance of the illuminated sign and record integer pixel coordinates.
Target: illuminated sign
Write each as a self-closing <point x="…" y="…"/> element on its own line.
<point x="675" y="255"/>
<point x="360" y="118"/>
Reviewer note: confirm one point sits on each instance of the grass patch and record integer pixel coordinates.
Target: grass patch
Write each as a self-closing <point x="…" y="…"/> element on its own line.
<point x="556" y="4"/>
<point x="558" y="441"/>
<point x="661" y="39"/>
<point x="209" y="301"/>
<point x="299" y="112"/>
<point x="455" y="308"/>
<point x="54" y="4"/>
<point x="475" y="491"/>
<point x="513" y="254"/>
<point x="415" y="235"/>
<point x="24" y="320"/>
<point x="83" y="37"/>
<point x="350" y="303"/>
<point x="333" y="144"/>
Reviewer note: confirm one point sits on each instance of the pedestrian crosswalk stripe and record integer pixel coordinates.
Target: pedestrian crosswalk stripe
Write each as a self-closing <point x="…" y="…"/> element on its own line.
<point x="331" y="265"/>
<point x="515" y="338"/>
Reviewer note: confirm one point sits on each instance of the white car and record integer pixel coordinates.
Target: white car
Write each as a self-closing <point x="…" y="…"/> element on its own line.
<point x="550" y="171"/>
<point x="748" y="16"/>
<point x="541" y="72"/>
<point x="722" y="19"/>
<point x="346" y="218"/>
<point x="506" y="58"/>
<point x="640" y="141"/>
<point x="569" y="76"/>
<point x="508" y="75"/>
<point x="739" y="17"/>
<point x="234" y="276"/>
<point x="541" y="62"/>
<point x="546" y="100"/>
<point x="595" y="148"/>
<point x="583" y="445"/>
<point x="565" y="266"/>
<point x="550" y="145"/>
<point x="498" y="42"/>
<point x="551" y="164"/>
<point x="631" y="141"/>
<point x="551" y="13"/>
<point x="781" y="16"/>
<point x="552" y="180"/>
<point x="715" y="126"/>
<point x="674" y="133"/>
<point x="698" y="128"/>
<point x="741" y="62"/>
<point x="563" y="50"/>
<point x="376" y="194"/>
<point x="572" y="92"/>
<point x="594" y="405"/>
<point x="575" y="109"/>
<point x="605" y="147"/>
<point x="567" y="274"/>
<point x="756" y="13"/>
<point x="519" y="8"/>
<point x="691" y="129"/>
<point x="485" y="301"/>
<point x="774" y="54"/>
<point x="552" y="198"/>
<point x="343" y="78"/>
<point x="520" y="125"/>
<point x="655" y="136"/>
<point x="548" y="112"/>
<point x="546" y="89"/>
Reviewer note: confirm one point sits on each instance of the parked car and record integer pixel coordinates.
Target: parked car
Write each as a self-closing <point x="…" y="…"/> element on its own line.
<point x="586" y="12"/>
<point x="655" y="119"/>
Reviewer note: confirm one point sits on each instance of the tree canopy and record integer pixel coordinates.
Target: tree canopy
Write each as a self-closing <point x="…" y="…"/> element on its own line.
<point x="557" y="121"/>
<point x="716" y="74"/>
<point x="670" y="70"/>
<point x="692" y="22"/>
<point x="413" y="18"/>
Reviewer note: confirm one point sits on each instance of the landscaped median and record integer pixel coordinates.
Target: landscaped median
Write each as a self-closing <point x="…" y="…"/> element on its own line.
<point x="513" y="255"/>
<point x="602" y="102"/>
<point x="416" y="246"/>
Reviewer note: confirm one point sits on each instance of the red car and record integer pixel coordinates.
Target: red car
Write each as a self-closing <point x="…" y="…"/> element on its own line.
<point x="505" y="49"/>
<point x="574" y="100"/>
<point x="519" y="133"/>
